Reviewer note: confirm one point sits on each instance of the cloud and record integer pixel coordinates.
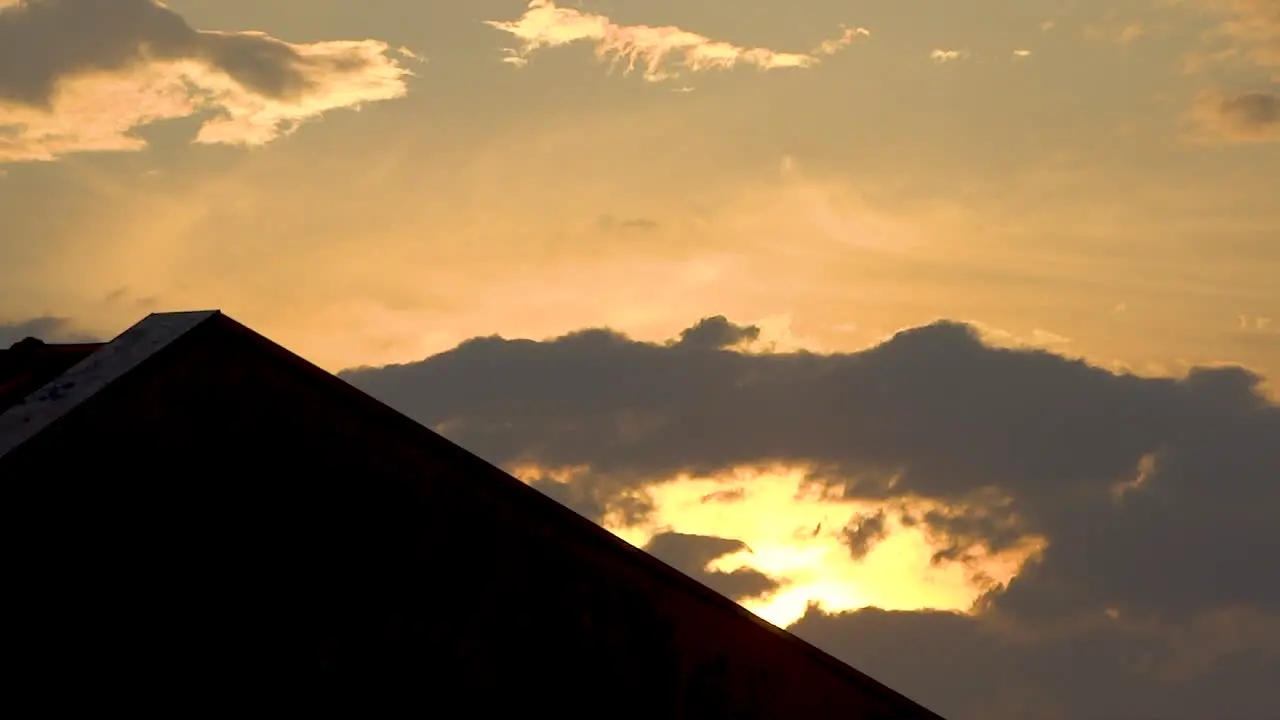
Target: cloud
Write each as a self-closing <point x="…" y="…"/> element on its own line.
<point x="1246" y="117"/>
<point x="1120" y="33"/>
<point x="1256" y="324"/>
<point x="717" y="332"/>
<point x="1021" y="441"/>
<point x="1155" y="497"/>
<point x="946" y="56"/>
<point x="694" y="554"/>
<point x="598" y="502"/>
<point x="863" y="532"/>
<point x="47" y="328"/>
<point x="1246" y="36"/>
<point x="1250" y="29"/>
<point x="1220" y="665"/>
<point x="81" y="75"/>
<point x="611" y="223"/>
<point x="662" y="50"/>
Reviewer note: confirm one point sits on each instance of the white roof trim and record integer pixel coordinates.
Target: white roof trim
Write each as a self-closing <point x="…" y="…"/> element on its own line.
<point x="106" y="365"/>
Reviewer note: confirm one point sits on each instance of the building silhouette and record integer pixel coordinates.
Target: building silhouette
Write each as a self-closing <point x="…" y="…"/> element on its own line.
<point x="190" y="506"/>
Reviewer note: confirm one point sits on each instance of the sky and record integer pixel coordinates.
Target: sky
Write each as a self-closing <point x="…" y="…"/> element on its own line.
<point x="941" y="333"/>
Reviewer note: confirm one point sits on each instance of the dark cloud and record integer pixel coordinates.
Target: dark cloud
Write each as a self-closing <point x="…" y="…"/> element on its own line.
<point x="717" y="332"/>
<point x="49" y="329"/>
<point x="972" y="668"/>
<point x="46" y="40"/>
<point x="1155" y="496"/>
<point x="43" y="41"/>
<point x="1247" y="116"/>
<point x="1257" y="109"/>
<point x="863" y="532"/>
<point x="258" y="86"/>
<point x="691" y="554"/>
<point x="1024" y="441"/>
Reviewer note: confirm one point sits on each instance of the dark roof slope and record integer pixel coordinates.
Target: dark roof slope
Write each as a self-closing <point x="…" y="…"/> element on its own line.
<point x="193" y="503"/>
<point x="28" y="364"/>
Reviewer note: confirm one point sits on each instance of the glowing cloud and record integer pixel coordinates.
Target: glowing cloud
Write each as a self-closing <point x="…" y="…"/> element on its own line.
<point x="80" y="75"/>
<point x="804" y="539"/>
<point x="657" y="49"/>
<point x="946" y="56"/>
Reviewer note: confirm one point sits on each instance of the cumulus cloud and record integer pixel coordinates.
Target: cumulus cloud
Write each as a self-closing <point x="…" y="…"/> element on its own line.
<point x="1034" y="442"/>
<point x="717" y="332"/>
<point x="1155" y="497"/>
<point x="662" y="51"/>
<point x="81" y="75"/>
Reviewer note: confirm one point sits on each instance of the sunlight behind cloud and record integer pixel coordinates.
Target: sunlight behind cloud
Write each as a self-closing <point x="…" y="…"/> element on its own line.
<point x="793" y="532"/>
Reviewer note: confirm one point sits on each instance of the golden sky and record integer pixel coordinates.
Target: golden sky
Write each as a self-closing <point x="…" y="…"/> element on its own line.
<point x="375" y="182"/>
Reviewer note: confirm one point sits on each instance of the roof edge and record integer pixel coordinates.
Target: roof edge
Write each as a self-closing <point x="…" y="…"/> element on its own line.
<point x="113" y="360"/>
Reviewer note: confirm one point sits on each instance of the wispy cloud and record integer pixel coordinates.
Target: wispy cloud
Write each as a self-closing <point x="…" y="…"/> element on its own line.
<point x="946" y="56"/>
<point x="409" y="54"/>
<point x="1120" y="33"/>
<point x="662" y="51"/>
<point x="80" y="75"/>
<point x="1252" y="29"/>
<point x="1245" y="34"/>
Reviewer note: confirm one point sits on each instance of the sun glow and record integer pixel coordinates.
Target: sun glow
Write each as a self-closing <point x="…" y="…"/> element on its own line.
<point x="793" y="531"/>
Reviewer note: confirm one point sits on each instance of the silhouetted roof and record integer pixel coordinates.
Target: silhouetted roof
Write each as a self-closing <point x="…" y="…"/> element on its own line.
<point x="30" y="363"/>
<point x="192" y="498"/>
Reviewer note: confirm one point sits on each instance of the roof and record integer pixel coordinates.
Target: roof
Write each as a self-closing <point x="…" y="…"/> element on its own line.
<point x="30" y="363"/>
<point x="86" y="371"/>
<point x="199" y="500"/>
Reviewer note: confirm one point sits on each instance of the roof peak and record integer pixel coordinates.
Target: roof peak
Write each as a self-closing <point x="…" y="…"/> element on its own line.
<point x="32" y="402"/>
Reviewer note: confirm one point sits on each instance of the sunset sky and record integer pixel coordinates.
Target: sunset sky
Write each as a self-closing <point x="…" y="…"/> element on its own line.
<point x="938" y="331"/>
